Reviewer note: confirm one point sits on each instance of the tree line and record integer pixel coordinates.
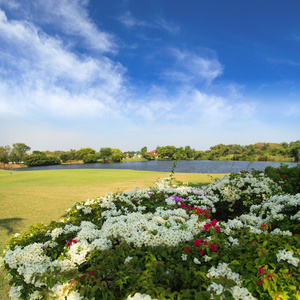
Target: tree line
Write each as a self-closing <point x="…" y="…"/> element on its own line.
<point x="254" y="152"/>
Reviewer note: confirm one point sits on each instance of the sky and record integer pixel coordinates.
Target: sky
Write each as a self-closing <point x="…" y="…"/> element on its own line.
<point x="132" y="73"/>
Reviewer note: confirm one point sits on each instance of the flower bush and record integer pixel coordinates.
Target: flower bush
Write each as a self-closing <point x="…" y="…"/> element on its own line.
<point x="164" y="242"/>
<point x="238" y="191"/>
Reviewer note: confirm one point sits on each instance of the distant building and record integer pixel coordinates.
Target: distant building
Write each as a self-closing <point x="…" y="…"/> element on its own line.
<point x="154" y="152"/>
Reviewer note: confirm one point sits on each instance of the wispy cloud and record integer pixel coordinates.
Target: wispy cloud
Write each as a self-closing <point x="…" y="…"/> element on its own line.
<point x="167" y="25"/>
<point x="191" y="67"/>
<point x="39" y="68"/>
<point x="130" y="21"/>
<point x="71" y="17"/>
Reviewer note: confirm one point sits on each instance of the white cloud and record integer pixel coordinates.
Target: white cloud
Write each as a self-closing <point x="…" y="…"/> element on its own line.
<point x="130" y="21"/>
<point x="51" y="76"/>
<point x="70" y="16"/>
<point x="190" y="67"/>
<point x="167" y="25"/>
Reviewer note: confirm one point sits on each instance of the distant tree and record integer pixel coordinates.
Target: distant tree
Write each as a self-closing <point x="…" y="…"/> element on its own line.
<point x="149" y="156"/>
<point x="166" y="152"/>
<point x="85" y="151"/>
<point x="18" y="152"/>
<point x="143" y="151"/>
<point x="105" y="154"/>
<point x="90" y="158"/>
<point x="117" y="155"/>
<point x="4" y="154"/>
<point x="64" y="157"/>
<point x="38" y="158"/>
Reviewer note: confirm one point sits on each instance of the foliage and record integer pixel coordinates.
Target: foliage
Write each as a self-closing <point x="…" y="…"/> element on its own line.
<point x="18" y="152"/>
<point x="163" y="242"/>
<point x="149" y="156"/>
<point x="287" y="177"/>
<point x="38" y="158"/>
<point x="105" y="154"/>
<point x="90" y="158"/>
<point x="85" y="151"/>
<point x="4" y="154"/>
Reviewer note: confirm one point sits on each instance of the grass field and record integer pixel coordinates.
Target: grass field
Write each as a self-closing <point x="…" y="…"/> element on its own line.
<point x="29" y="197"/>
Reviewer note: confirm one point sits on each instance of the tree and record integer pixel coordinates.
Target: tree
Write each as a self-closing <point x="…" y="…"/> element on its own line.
<point x="4" y="154"/>
<point x="149" y="156"/>
<point x="105" y="154"/>
<point x="143" y="151"/>
<point x="166" y="152"/>
<point x="117" y="155"/>
<point x="90" y="158"/>
<point x="18" y="152"/>
<point x="85" y="151"/>
<point x="295" y="150"/>
<point x="38" y="158"/>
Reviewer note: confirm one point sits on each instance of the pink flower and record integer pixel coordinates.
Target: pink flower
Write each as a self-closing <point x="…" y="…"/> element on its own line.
<point x="213" y="248"/>
<point x="207" y="226"/>
<point x="187" y="249"/>
<point x="206" y="216"/>
<point x="197" y="242"/>
<point x="259" y="282"/>
<point x="269" y="275"/>
<point x="201" y="251"/>
<point x="263" y="225"/>
<point x="205" y="242"/>
<point x="182" y="205"/>
<point x="68" y="243"/>
<point x="218" y="228"/>
<point x="261" y="271"/>
<point x="74" y="241"/>
<point x="82" y="277"/>
<point x="92" y="273"/>
<point x="73" y="281"/>
<point x="92" y="279"/>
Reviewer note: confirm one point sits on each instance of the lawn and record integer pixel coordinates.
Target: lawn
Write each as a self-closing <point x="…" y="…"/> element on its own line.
<point x="28" y="197"/>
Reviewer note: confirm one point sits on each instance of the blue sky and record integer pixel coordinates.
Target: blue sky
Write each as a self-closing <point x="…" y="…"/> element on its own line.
<point x="133" y="73"/>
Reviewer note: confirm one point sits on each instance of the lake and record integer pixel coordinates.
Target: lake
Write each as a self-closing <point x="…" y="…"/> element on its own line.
<point x="185" y="166"/>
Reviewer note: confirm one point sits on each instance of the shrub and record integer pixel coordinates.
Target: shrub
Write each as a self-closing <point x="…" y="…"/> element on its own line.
<point x="38" y="158"/>
<point x="90" y="158"/>
<point x="287" y="177"/>
<point x="238" y="191"/>
<point x="156" y="243"/>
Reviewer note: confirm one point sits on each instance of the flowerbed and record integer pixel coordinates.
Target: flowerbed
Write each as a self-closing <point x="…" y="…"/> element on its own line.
<point x="165" y="242"/>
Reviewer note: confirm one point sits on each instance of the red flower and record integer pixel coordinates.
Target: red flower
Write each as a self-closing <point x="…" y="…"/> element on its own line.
<point x="201" y="211"/>
<point x="68" y="243"/>
<point x="214" y="222"/>
<point x="261" y="271"/>
<point x="92" y="279"/>
<point x="213" y="248"/>
<point x="182" y="205"/>
<point x="218" y="228"/>
<point x="201" y="251"/>
<point x="73" y="281"/>
<point x="206" y="216"/>
<point x="259" y="282"/>
<point x="74" y="241"/>
<point x="82" y="277"/>
<point x="197" y="242"/>
<point x="205" y="242"/>
<point x="263" y="225"/>
<point x="269" y="275"/>
<point x="187" y="249"/>
<point x="207" y="226"/>
<point x="92" y="273"/>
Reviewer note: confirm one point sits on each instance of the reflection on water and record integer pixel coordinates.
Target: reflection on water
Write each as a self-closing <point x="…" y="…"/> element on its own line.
<point x="190" y="166"/>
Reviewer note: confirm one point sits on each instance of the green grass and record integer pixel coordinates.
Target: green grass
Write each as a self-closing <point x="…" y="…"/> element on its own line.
<point x="29" y="197"/>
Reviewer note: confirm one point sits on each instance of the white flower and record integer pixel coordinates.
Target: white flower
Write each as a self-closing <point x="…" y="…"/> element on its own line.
<point x="197" y="261"/>
<point x="184" y="256"/>
<point x="138" y="296"/>
<point x="15" y="292"/>
<point x="74" y="296"/>
<point x="207" y="258"/>
<point x="288" y="256"/>
<point x="127" y="260"/>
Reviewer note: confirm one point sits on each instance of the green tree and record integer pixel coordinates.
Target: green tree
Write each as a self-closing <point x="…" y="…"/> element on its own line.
<point x="18" y="152"/>
<point x="38" y="158"/>
<point x="4" y="154"/>
<point x="149" y="156"/>
<point x="85" y="151"/>
<point x="295" y="150"/>
<point x="143" y="151"/>
<point x="90" y="158"/>
<point x="105" y="154"/>
<point x="166" y="152"/>
<point x="117" y="155"/>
